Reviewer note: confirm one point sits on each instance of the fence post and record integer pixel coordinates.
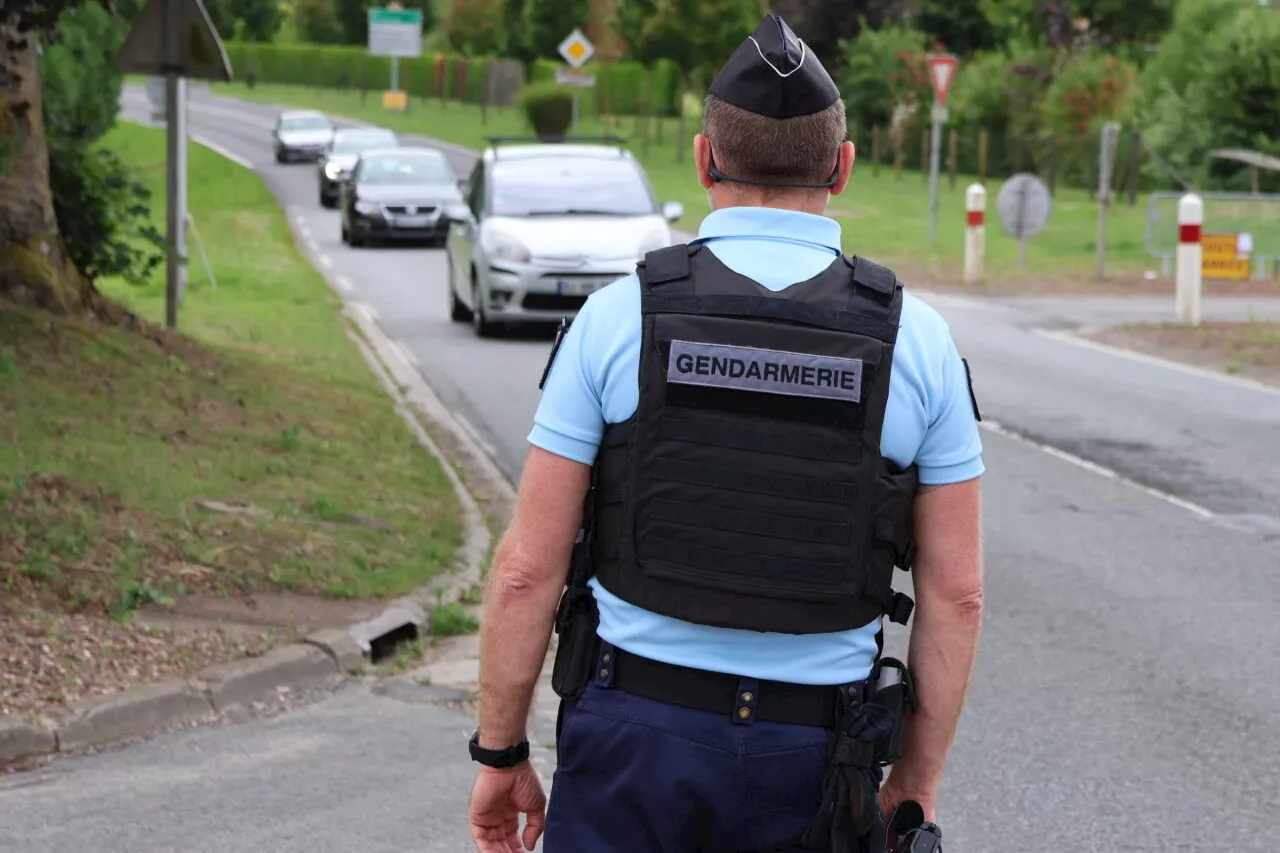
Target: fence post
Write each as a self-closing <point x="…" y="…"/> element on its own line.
<point x="953" y="154"/>
<point x="984" y="140"/>
<point x="1189" y="257"/>
<point x="924" y="156"/>
<point x="975" y="232"/>
<point x="1135" y="164"/>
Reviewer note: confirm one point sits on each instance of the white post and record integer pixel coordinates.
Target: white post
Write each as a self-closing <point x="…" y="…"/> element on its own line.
<point x="975" y="232"/>
<point x="1189" y="259"/>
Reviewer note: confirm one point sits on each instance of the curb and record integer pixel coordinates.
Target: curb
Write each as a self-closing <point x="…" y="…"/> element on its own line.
<point x="325" y="656"/>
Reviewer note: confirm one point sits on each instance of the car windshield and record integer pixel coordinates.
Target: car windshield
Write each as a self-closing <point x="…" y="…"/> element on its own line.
<point x="552" y="186"/>
<point x="405" y="169"/>
<point x="304" y="123"/>
<point x="355" y="143"/>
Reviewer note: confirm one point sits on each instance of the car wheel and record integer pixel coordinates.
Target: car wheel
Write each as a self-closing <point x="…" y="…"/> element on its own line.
<point x="458" y="312"/>
<point x="325" y="201"/>
<point x="280" y="158"/>
<point x="483" y="328"/>
<point x="346" y="235"/>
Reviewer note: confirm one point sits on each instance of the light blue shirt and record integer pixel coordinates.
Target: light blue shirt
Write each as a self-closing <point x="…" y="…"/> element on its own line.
<point x="594" y="381"/>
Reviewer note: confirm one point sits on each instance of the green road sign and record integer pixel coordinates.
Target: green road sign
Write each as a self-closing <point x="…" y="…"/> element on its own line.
<point x="405" y="17"/>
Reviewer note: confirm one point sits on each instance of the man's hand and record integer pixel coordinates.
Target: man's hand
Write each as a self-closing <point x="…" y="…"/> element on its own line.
<point x="892" y="795"/>
<point x="498" y="798"/>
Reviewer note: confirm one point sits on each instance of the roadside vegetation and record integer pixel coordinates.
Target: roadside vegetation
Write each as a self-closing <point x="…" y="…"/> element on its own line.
<point x="255" y="452"/>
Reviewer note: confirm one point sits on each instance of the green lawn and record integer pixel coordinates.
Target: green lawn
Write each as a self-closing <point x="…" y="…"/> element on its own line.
<point x="110" y="439"/>
<point x="883" y="216"/>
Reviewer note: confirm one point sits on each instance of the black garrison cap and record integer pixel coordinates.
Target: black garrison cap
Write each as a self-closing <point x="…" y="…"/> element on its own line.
<point x="773" y="73"/>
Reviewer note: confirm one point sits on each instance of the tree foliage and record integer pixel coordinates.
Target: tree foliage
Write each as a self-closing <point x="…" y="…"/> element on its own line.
<point x="102" y="212"/>
<point x="884" y="72"/>
<point x="698" y="35"/>
<point x="476" y="27"/>
<point x="825" y="24"/>
<point x="545" y="23"/>
<point x="316" y="21"/>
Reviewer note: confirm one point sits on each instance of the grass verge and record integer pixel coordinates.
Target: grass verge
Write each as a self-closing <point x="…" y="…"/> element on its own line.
<point x="1245" y="349"/>
<point x="883" y="216"/>
<point x="113" y="444"/>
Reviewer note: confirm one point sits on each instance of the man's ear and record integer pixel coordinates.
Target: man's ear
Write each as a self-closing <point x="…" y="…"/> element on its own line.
<point x="844" y="167"/>
<point x="702" y="159"/>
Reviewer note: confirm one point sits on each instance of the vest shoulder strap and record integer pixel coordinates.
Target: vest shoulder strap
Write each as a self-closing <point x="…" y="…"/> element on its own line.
<point x="872" y="276"/>
<point x="666" y="265"/>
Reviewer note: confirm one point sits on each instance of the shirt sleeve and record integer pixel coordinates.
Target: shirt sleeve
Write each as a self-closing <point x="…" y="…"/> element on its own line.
<point x="951" y="451"/>
<point x="569" y="421"/>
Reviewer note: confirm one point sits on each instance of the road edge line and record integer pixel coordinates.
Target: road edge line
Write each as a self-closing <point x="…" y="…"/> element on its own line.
<point x="1075" y="338"/>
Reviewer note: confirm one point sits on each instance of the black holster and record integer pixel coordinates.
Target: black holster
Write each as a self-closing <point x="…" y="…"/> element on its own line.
<point x="576" y="621"/>
<point x="866" y="737"/>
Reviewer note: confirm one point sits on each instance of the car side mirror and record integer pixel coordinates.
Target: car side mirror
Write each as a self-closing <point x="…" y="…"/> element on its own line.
<point x="462" y="185"/>
<point x="672" y="211"/>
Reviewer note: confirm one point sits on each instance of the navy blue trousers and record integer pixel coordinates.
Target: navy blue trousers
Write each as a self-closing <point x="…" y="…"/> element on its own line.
<point x="640" y="776"/>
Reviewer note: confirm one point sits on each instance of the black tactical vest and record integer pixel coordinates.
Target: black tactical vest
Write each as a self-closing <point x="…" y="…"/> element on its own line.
<point x="748" y="490"/>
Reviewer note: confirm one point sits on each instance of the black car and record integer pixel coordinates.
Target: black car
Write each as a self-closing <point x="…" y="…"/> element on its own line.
<point x="399" y="194"/>
<point x="342" y="154"/>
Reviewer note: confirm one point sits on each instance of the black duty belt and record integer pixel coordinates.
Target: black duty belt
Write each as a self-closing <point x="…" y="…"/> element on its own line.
<point x="774" y="701"/>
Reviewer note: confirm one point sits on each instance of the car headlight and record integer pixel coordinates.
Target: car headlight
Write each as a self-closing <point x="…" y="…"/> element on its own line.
<point x="503" y="247"/>
<point x="457" y="212"/>
<point x="660" y="238"/>
<point x="368" y="208"/>
<point x="333" y="171"/>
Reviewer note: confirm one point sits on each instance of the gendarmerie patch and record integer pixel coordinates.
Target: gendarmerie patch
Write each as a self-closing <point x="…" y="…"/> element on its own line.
<point x="765" y="371"/>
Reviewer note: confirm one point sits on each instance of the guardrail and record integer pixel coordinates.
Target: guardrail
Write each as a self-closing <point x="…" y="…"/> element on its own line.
<point x="1224" y="213"/>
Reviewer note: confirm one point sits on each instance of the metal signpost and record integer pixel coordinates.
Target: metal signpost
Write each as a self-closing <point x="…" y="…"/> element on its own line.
<point x="1024" y="206"/>
<point x="395" y="32"/>
<point x="1106" y="158"/>
<point x="576" y="50"/>
<point x="942" y="73"/>
<point x="175" y="38"/>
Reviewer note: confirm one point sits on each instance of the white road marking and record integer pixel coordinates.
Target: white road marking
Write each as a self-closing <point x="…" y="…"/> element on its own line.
<point x="367" y="310"/>
<point x="1100" y="470"/>
<point x="218" y="149"/>
<point x="234" y="115"/>
<point x="325" y="261"/>
<point x="303" y="227"/>
<point x="1075" y="340"/>
<point x="475" y="435"/>
<point x="406" y="356"/>
<point x="344" y="283"/>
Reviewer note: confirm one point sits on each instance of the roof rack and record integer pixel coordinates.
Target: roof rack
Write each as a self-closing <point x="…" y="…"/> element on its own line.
<point x="499" y="140"/>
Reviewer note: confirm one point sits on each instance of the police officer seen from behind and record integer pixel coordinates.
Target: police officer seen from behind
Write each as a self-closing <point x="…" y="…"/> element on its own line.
<point x="734" y="449"/>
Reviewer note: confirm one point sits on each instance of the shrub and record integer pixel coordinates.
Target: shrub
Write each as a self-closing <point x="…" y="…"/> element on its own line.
<point x="548" y="108"/>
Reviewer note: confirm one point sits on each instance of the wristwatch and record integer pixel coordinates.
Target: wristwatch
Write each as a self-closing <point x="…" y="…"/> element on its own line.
<point x="498" y="758"/>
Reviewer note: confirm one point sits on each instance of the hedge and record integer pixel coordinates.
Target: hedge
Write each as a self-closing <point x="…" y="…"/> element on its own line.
<point x="620" y="87"/>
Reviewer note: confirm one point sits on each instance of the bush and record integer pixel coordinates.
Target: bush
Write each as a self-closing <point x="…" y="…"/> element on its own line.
<point x="1092" y="90"/>
<point x="102" y="213"/>
<point x="884" y="70"/>
<point x="548" y="108"/>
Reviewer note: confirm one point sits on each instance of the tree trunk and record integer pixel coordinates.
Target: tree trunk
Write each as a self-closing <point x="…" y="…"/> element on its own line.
<point x="34" y="265"/>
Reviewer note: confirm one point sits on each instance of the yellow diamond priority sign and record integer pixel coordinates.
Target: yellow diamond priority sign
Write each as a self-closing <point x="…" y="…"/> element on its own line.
<point x="577" y="49"/>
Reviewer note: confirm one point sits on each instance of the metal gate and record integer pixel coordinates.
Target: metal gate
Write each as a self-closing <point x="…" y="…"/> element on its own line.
<point x="1224" y="213"/>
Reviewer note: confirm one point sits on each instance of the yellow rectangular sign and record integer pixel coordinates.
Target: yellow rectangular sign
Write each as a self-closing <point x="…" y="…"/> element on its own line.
<point x="1221" y="258"/>
<point x="395" y="100"/>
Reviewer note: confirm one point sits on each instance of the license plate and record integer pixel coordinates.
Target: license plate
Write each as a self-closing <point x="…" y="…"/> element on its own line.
<point x="577" y="286"/>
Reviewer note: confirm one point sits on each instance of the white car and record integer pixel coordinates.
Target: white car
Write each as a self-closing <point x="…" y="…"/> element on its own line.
<point x="301" y="135"/>
<point x="545" y="225"/>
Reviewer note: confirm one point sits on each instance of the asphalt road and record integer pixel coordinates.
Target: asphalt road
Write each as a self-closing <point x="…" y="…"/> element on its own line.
<point x="1127" y="691"/>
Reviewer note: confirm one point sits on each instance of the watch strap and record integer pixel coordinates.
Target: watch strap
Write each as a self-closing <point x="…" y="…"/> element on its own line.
<point x="498" y="758"/>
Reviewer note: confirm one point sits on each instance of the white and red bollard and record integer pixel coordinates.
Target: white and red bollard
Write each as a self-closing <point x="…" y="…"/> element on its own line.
<point x="975" y="232"/>
<point x="1188" y="259"/>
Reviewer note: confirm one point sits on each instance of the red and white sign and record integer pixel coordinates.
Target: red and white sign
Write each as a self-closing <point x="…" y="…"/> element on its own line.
<point x="942" y="73"/>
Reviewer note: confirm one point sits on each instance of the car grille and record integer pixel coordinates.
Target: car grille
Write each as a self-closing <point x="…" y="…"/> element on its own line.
<point x="552" y="302"/>
<point x="404" y="209"/>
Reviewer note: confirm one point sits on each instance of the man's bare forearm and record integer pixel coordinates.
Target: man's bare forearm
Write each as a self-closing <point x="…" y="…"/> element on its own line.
<point x="944" y="644"/>
<point x="519" y="613"/>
